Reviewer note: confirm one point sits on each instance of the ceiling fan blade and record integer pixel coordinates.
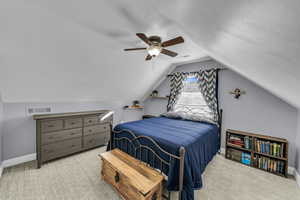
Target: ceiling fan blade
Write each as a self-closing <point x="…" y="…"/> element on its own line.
<point x="134" y="49"/>
<point x="174" y="41"/>
<point x="143" y="37"/>
<point x="148" y="57"/>
<point x="169" y="53"/>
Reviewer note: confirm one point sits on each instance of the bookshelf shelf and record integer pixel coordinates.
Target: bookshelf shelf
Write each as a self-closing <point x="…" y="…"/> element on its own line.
<point x="271" y="156"/>
<point x="240" y="148"/>
<point x="263" y="152"/>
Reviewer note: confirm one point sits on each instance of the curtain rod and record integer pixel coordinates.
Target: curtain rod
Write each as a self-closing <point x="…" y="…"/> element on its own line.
<point x="197" y="71"/>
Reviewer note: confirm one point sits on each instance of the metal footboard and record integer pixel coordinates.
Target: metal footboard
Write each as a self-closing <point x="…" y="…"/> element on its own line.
<point x="154" y="155"/>
<point x="136" y="148"/>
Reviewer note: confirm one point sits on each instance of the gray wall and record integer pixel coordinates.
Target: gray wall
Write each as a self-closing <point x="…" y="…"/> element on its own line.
<point x="19" y="127"/>
<point x="298" y="145"/>
<point x="1" y="126"/>
<point x="258" y="111"/>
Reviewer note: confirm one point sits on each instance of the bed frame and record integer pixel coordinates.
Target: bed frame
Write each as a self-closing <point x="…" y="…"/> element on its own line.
<point x="138" y="149"/>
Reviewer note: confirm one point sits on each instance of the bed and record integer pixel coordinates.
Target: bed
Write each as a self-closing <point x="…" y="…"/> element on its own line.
<point x="180" y="149"/>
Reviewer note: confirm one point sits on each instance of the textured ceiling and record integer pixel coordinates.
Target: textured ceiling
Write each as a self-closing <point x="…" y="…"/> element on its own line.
<point x="62" y="50"/>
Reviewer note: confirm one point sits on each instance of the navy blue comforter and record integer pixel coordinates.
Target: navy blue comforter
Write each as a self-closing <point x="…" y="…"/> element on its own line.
<point x="200" y="140"/>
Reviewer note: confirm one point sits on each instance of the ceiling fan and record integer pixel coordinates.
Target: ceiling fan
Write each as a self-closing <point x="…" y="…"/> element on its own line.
<point x="156" y="46"/>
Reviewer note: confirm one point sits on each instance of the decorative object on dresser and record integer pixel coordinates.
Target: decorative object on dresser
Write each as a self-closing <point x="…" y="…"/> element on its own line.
<point x="132" y="179"/>
<point x="259" y="151"/>
<point x="62" y="134"/>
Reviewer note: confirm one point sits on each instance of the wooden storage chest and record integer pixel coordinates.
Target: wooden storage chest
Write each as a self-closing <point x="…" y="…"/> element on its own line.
<point x="132" y="179"/>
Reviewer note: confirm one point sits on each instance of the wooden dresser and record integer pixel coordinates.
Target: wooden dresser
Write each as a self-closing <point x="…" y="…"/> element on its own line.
<point x="62" y="134"/>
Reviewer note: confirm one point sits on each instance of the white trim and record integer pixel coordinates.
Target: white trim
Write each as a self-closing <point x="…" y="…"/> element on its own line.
<point x="291" y="171"/>
<point x="223" y="151"/>
<point x="1" y="170"/>
<point x="18" y="160"/>
<point x="297" y="177"/>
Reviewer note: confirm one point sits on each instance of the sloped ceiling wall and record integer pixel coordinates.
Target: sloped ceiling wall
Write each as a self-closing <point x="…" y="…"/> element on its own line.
<point x="258" y="39"/>
<point x="61" y="50"/>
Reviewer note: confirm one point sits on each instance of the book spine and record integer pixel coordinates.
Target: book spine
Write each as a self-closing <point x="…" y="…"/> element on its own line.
<point x="281" y="151"/>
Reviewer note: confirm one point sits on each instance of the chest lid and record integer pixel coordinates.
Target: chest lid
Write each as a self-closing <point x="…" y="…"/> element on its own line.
<point x="140" y="176"/>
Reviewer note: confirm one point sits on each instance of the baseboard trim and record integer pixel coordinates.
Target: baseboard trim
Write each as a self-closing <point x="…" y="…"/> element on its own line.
<point x="291" y="171"/>
<point x="297" y="177"/>
<point x="1" y="170"/>
<point x="222" y="150"/>
<point x="18" y="160"/>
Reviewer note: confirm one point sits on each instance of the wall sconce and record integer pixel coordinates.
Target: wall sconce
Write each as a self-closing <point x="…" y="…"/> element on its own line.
<point x="237" y="93"/>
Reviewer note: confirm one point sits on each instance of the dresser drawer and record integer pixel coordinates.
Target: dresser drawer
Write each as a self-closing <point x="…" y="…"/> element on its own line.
<point x="59" y="149"/>
<point x="95" y="140"/>
<point x="51" y="125"/>
<point x="73" y="123"/>
<point x="91" y="120"/>
<point x="90" y="130"/>
<point x="61" y="135"/>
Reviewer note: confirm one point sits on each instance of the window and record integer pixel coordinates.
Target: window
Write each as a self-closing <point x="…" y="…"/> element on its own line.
<point x="191" y="100"/>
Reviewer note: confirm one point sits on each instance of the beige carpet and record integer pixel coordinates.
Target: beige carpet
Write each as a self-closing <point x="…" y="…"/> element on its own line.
<point x="77" y="177"/>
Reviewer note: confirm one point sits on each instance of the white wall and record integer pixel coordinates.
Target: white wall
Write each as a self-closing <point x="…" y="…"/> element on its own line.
<point x="298" y="146"/>
<point x="258" y="111"/>
<point x="1" y="126"/>
<point x="19" y="127"/>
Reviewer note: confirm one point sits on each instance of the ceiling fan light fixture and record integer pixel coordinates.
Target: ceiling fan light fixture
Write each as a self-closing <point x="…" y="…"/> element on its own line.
<point x="154" y="50"/>
<point x="156" y="46"/>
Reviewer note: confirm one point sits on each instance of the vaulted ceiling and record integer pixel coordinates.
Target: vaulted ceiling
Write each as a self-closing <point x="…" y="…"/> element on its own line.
<point x="62" y="50"/>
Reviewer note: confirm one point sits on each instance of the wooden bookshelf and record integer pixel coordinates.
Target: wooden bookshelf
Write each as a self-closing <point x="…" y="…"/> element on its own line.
<point x="260" y="151"/>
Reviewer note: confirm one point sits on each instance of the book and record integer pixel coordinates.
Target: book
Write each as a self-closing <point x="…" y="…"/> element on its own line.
<point x="270" y="165"/>
<point x="246" y="158"/>
<point x="267" y="147"/>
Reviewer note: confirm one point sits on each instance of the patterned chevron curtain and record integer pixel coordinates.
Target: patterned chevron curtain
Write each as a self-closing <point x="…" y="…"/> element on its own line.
<point x="176" y="84"/>
<point x="207" y="80"/>
<point x="208" y="85"/>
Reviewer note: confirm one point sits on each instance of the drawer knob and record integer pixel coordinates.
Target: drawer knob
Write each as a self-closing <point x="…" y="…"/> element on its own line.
<point x="73" y="123"/>
<point x="90" y="130"/>
<point x="90" y="121"/>
<point x="50" y="126"/>
<point x="117" y="177"/>
<point x="154" y="197"/>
